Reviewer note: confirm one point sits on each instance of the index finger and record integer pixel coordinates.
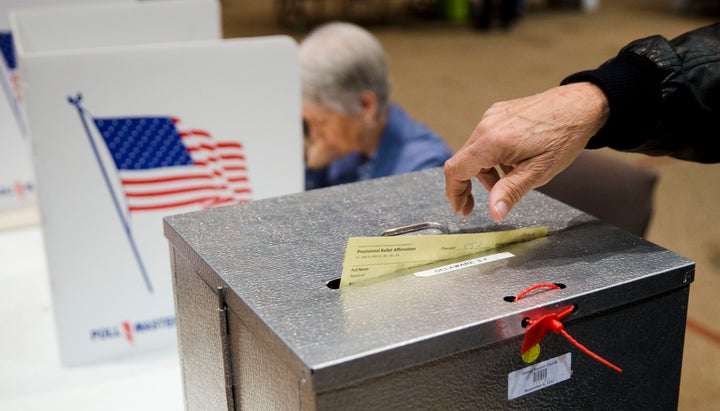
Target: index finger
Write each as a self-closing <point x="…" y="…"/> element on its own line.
<point x="459" y="193"/>
<point x="458" y="182"/>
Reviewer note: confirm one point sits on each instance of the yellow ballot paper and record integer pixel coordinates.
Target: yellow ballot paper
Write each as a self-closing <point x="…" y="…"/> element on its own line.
<point x="367" y="258"/>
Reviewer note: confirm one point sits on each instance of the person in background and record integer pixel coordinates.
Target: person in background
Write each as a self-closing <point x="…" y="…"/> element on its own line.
<point x="657" y="97"/>
<point x="484" y="12"/>
<point x="353" y="131"/>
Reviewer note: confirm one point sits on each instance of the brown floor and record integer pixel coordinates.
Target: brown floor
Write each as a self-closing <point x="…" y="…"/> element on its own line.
<point x="446" y="75"/>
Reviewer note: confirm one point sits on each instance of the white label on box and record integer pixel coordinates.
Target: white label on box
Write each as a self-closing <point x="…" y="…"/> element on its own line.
<point x="539" y="376"/>
<point x="463" y="264"/>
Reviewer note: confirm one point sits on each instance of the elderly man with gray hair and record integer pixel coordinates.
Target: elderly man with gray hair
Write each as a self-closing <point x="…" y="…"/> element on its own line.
<point x="353" y="131"/>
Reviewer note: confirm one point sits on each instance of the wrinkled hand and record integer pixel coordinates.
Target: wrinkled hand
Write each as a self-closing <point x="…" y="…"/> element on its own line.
<point x="521" y="144"/>
<point x="317" y="154"/>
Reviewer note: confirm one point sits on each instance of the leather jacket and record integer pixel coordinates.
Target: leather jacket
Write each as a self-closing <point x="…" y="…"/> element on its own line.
<point x="664" y="96"/>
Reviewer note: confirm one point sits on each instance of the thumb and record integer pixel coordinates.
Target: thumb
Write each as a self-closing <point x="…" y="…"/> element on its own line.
<point x="508" y="191"/>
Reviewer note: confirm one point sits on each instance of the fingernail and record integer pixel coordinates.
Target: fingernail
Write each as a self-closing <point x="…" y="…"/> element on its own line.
<point x="458" y="206"/>
<point x="501" y="209"/>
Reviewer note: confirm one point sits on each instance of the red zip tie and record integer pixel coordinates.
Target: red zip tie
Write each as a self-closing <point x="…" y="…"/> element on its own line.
<point x="586" y="350"/>
<point x="538" y="329"/>
<point x="524" y="292"/>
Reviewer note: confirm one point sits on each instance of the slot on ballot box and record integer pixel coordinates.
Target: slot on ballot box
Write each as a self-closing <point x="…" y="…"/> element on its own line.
<point x="260" y="327"/>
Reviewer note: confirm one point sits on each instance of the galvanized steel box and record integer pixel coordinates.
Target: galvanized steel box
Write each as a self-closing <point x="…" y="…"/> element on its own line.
<point x="259" y="327"/>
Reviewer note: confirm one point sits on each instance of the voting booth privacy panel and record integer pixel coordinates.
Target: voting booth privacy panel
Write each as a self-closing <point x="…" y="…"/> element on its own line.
<point x="17" y="181"/>
<point x="144" y="114"/>
<point x="262" y="327"/>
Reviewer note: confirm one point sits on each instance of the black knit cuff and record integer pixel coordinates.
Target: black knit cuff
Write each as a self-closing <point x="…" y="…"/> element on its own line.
<point x="631" y="84"/>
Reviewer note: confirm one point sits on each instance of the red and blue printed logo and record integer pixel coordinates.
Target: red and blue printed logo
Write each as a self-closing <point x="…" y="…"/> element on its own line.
<point x="18" y="190"/>
<point x="131" y="330"/>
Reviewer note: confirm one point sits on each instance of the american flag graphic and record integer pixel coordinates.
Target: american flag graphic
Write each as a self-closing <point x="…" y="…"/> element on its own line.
<point x="161" y="167"/>
<point x="9" y="78"/>
<point x="8" y="49"/>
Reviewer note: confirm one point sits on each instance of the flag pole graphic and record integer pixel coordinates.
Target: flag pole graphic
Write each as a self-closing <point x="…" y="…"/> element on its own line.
<point x="76" y="102"/>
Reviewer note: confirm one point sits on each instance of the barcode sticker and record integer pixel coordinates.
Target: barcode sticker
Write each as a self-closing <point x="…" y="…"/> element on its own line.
<point x="539" y="376"/>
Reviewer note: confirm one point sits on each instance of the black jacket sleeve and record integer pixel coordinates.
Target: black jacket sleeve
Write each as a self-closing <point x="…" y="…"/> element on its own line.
<point x="664" y="96"/>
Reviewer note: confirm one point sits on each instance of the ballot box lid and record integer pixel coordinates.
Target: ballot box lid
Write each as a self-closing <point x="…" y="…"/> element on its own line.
<point x="274" y="258"/>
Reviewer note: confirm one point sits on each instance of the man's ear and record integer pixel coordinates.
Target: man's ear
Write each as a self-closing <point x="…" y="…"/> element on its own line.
<point x="369" y="105"/>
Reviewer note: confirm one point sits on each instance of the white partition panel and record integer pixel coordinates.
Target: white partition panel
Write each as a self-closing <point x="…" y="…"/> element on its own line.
<point x="17" y="182"/>
<point x="126" y="134"/>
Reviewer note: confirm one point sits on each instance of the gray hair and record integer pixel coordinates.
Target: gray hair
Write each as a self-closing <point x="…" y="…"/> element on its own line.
<point x="338" y="62"/>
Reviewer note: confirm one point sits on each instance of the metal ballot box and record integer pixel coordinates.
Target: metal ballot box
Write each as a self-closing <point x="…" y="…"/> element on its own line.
<point x="261" y="328"/>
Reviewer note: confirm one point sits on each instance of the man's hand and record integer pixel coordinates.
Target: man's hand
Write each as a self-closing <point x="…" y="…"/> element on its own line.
<point x="522" y="144"/>
<point x="317" y="155"/>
